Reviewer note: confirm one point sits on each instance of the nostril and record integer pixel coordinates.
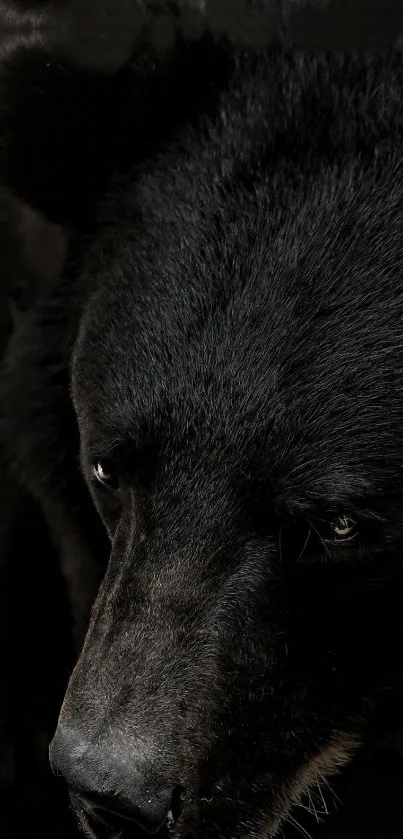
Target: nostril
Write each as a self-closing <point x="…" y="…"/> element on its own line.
<point x="178" y="798"/>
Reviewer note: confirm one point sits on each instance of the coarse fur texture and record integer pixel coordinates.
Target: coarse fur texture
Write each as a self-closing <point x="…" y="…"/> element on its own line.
<point x="213" y="396"/>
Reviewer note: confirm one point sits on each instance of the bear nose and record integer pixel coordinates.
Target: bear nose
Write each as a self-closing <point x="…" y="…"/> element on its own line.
<point x="110" y="787"/>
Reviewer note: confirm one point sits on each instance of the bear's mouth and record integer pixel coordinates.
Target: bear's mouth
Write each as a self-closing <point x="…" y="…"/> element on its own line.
<point x="115" y="826"/>
<point x="101" y="823"/>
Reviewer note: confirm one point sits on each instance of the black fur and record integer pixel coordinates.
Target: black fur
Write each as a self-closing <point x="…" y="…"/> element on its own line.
<point x="227" y="342"/>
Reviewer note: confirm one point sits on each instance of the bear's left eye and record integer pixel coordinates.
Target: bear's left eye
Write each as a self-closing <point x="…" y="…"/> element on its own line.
<point x="343" y="529"/>
<point x="104" y="475"/>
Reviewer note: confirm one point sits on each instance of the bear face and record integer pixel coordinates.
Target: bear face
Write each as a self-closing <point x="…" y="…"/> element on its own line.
<point x="236" y="383"/>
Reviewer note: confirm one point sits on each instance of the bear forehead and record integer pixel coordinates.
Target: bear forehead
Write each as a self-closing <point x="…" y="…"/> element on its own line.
<point x="306" y="324"/>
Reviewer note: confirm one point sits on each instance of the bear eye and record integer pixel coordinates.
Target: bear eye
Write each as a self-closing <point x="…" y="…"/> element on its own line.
<point x="104" y="476"/>
<point x="344" y="529"/>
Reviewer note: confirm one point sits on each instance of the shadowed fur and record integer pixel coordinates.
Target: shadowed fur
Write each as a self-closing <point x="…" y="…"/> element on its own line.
<point x="212" y="397"/>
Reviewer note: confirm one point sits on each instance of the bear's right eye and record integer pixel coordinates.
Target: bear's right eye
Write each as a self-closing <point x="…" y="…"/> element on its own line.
<point x="104" y="475"/>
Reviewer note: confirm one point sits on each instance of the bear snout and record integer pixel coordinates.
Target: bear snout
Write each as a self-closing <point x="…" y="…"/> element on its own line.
<point x="111" y="787"/>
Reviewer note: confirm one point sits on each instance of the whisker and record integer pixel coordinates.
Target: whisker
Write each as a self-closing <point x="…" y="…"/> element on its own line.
<point x="334" y="795"/>
<point x="312" y="805"/>
<point x="305" y="544"/>
<point x="280" y="549"/>
<point x="301" y="829"/>
<point x="321" y="539"/>
<point x="322" y="797"/>
<point x="311" y="812"/>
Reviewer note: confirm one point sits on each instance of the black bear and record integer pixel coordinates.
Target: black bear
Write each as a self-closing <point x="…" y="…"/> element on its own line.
<point x="208" y="408"/>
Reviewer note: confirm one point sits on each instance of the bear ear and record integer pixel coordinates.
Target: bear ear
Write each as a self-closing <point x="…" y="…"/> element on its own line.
<point x="61" y="99"/>
<point x="39" y="260"/>
<point x="32" y="253"/>
<point x="63" y="95"/>
<point x="56" y="124"/>
<point x="97" y="35"/>
<point x="66" y="73"/>
<point x="101" y="35"/>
